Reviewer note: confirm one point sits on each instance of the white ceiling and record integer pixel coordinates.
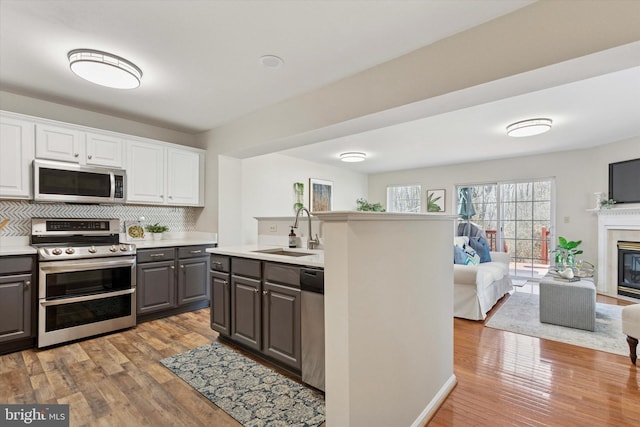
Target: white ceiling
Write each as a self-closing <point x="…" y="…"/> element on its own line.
<point x="201" y="69"/>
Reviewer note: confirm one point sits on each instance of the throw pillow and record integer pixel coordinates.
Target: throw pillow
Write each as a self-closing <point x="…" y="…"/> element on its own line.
<point x="472" y="257"/>
<point x="481" y="246"/>
<point x="459" y="256"/>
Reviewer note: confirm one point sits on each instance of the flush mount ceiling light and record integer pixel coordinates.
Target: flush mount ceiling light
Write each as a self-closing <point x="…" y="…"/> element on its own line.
<point x="529" y="127"/>
<point x="104" y="69"/>
<point x="353" y="157"/>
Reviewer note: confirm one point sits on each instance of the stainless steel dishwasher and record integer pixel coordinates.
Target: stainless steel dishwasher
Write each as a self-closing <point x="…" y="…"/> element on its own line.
<point x="312" y="326"/>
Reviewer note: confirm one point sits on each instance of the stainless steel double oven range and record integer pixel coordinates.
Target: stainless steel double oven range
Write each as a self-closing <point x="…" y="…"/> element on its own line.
<point x="86" y="278"/>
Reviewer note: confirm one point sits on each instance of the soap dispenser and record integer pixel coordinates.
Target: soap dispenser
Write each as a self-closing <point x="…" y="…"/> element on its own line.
<point x="292" y="239"/>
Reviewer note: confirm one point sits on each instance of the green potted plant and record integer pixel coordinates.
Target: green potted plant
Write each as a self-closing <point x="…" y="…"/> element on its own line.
<point x="565" y="253"/>
<point x="156" y="230"/>
<point x="363" y="205"/>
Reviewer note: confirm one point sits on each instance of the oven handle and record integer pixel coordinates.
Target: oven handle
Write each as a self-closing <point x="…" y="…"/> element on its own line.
<point x="86" y="298"/>
<point x="53" y="267"/>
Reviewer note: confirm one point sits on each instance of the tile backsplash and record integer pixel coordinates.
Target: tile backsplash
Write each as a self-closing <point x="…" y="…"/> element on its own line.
<point x="19" y="213"/>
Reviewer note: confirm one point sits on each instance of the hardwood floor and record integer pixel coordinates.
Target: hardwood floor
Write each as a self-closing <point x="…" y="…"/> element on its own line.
<point x="504" y="379"/>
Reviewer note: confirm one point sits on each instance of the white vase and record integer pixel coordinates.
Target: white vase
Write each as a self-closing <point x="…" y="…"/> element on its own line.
<point x="156" y="236"/>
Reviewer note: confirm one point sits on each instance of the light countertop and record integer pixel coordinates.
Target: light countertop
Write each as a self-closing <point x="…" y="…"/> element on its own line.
<point x="20" y="245"/>
<point x="16" y="246"/>
<point x="315" y="258"/>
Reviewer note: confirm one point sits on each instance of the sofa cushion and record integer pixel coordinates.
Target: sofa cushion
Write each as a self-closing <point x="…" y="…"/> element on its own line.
<point x="481" y="246"/>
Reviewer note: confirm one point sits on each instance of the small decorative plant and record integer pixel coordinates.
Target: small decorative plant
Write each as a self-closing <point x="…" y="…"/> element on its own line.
<point x="607" y="203"/>
<point x="156" y="228"/>
<point x="566" y="252"/>
<point x="363" y="205"/>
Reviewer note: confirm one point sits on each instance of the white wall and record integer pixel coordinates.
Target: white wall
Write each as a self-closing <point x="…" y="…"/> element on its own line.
<point x="267" y="189"/>
<point x="578" y="175"/>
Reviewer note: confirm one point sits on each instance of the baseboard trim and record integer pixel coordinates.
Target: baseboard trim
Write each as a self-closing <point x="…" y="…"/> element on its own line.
<point x="428" y="412"/>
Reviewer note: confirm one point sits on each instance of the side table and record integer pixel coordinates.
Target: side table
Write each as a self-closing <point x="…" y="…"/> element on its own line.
<point x="570" y="304"/>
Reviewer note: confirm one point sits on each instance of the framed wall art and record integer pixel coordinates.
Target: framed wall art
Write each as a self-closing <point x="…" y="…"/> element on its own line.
<point x="320" y="195"/>
<point x="436" y="201"/>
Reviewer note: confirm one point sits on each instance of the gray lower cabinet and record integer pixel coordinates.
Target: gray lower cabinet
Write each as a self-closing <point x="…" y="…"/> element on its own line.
<point x="170" y="280"/>
<point x="221" y="303"/>
<point x="257" y="304"/>
<point x="245" y="311"/>
<point x="221" y="294"/>
<point x="17" y="303"/>
<point x="156" y="289"/>
<point x="281" y="323"/>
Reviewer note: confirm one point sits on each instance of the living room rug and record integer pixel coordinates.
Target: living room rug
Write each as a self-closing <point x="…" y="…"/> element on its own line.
<point x="520" y="314"/>
<point x="248" y="391"/>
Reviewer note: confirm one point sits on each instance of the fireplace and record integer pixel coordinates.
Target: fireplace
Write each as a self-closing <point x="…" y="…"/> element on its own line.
<point x="615" y="225"/>
<point x="629" y="269"/>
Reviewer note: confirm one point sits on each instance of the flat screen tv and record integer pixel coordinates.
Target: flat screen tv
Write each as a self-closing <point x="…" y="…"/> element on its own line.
<point x="624" y="181"/>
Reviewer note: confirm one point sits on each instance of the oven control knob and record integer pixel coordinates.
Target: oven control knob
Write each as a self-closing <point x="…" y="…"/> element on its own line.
<point x="56" y="251"/>
<point x="113" y="249"/>
<point x="123" y="248"/>
<point x="70" y="250"/>
<point x="92" y="250"/>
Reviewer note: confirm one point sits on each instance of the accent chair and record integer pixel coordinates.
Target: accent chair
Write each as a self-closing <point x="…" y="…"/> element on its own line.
<point x="631" y="328"/>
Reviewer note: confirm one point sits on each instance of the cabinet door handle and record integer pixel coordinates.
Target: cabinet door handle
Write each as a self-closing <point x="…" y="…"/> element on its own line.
<point x="255" y="291"/>
<point x="156" y="255"/>
<point x="173" y="267"/>
<point x="171" y="197"/>
<point x="27" y="284"/>
<point x="265" y="292"/>
<point x="182" y="266"/>
<point x="224" y="282"/>
<point x="195" y="252"/>
<point x="76" y="155"/>
<point x="89" y="156"/>
<point x="217" y="263"/>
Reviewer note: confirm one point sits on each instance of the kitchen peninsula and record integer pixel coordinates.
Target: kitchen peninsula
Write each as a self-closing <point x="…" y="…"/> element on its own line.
<point x="388" y="314"/>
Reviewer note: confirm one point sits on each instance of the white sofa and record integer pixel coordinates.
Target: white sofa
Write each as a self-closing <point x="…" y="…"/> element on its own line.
<point x="477" y="288"/>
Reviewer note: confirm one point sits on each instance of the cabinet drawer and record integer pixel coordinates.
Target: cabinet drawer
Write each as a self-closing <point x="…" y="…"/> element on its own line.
<point x="160" y="254"/>
<point x="246" y="267"/>
<point x="192" y="251"/>
<point x="283" y="274"/>
<point x="220" y="263"/>
<point x="10" y="265"/>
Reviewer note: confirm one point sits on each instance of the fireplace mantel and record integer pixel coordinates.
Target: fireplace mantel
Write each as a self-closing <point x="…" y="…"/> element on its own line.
<point x="615" y="224"/>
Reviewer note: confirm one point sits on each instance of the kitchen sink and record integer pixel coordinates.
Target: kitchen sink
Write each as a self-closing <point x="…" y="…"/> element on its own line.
<point x="283" y="252"/>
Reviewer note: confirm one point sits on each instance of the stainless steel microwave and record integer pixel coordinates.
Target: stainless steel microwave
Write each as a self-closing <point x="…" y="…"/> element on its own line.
<point x="73" y="183"/>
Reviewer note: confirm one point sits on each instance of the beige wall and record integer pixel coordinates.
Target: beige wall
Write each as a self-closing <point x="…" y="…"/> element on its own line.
<point x="67" y="114"/>
<point x="578" y="175"/>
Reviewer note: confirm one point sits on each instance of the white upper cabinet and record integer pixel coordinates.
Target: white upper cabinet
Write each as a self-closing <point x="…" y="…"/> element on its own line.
<point x="72" y="145"/>
<point x="158" y="174"/>
<point x="16" y="158"/>
<point x="183" y="177"/>
<point x="145" y="172"/>
<point x="104" y="150"/>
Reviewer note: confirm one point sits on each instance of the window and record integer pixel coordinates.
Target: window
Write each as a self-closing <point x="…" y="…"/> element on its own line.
<point x="517" y="218"/>
<point x="404" y="198"/>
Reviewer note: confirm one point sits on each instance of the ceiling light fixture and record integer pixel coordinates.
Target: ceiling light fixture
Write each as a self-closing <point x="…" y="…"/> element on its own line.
<point x="353" y="157"/>
<point x="529" y="127"/>
<point x="104" y="69"/>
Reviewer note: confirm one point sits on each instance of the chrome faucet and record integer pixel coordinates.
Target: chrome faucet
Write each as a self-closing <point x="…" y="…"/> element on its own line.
<point x="311" y="242"/>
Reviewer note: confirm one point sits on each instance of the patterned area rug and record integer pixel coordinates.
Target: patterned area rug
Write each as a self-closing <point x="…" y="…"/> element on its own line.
<point x="520" y="314"/>
<point x="253" y="394"/>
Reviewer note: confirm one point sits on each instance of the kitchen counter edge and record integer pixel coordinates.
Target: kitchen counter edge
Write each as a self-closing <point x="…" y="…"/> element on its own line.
<point x="314" y="259"/>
